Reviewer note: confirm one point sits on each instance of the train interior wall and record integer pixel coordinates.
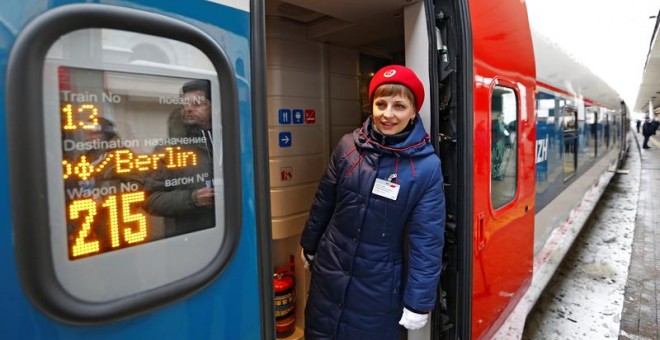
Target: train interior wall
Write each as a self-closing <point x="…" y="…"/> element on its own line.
<point x="314" y="96"/>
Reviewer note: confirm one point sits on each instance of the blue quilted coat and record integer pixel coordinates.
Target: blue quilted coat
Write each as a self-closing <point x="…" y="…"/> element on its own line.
<point x="360" y="278"/>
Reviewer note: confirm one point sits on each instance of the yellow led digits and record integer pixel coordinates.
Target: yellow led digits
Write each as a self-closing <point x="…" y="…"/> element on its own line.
<point x="113" y="219"/>
<point x="81" y="246"/>
<point x="130" y="236"/>
<point x="105" y="173"/>
<point x="94" y="233"/>
<point x="91" y="122"/>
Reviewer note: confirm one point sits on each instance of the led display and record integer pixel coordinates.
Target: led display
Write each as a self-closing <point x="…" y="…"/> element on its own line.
<point x="137" y="158"/>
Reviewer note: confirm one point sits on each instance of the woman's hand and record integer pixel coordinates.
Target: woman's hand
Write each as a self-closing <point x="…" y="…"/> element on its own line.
<point x="412" y="320"/>
<point x="306" y="258"/>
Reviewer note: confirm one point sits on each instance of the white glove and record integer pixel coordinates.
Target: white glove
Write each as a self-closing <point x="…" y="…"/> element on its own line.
<point x="305" y="257"/>
<point x="412" y="320"/>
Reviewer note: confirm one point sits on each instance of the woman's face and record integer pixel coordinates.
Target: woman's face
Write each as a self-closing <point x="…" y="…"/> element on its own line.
<point x="392" y="114"/>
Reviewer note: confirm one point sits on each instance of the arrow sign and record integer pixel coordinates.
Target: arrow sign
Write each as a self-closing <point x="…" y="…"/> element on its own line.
<point x="285" y="139"/>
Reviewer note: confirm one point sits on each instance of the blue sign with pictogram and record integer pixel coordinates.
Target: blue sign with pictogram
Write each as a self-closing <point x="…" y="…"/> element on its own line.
<point x="298" y="117"/>
<point x="285" y="116"/>
<point x="285" y="139"/>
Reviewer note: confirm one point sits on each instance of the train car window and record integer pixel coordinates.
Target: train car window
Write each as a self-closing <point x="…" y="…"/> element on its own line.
<point x="589" y="132"/>
<point x="137" y="164"/>
<point x="615" y="129"/>
<point x="570" y="134"/>
<point x="606" y="130"/>
<point x="603" y="132"/>
<point x="504" y="145"/>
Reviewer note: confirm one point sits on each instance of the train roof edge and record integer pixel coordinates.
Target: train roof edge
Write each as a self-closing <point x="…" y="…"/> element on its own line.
<point x="555" y="67"/>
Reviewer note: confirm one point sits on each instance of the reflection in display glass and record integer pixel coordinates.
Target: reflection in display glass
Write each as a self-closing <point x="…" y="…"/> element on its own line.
<point x="137" y="158"/>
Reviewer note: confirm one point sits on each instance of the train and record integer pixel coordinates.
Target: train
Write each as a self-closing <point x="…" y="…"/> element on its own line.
<point x="528" y="137"/>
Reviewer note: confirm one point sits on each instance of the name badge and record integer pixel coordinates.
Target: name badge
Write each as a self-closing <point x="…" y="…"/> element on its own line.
<point x="386" y="189"/>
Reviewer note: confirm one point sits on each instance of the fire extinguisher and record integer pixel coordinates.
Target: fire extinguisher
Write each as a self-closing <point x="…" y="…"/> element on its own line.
<point x="284" y="284"/>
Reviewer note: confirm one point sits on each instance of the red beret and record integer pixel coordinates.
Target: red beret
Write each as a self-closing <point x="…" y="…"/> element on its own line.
<point x="397" y="74"/>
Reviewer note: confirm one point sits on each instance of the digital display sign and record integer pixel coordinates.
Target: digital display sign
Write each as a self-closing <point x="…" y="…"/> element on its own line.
<point x="137" y="162"/>
<point x="125" y="169"/>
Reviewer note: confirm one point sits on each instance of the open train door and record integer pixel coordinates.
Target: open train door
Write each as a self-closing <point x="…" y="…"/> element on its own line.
<point x="128" y="170"/>
<point x="481" y="118"/>
<point x="439" y="49"/>
<point x="504" y="137"/>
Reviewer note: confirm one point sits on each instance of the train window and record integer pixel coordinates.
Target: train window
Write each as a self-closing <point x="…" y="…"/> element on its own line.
<point x="141" y="161"/>
<point x="570" y="134"/>
<point x="136" y="164"/>
<point x="589" y="132"/>
<point x="606" y="131"/>
<point x="504" y="145"/>
<point x="615" y="130"/>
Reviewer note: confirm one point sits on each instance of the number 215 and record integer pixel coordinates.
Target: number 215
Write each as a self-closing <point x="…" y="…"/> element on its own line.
<point x="84" y="245"/>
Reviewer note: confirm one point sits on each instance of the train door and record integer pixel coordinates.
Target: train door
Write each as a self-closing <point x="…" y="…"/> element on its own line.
<point x="504" y="160"/>
<point x="130" y="161"/>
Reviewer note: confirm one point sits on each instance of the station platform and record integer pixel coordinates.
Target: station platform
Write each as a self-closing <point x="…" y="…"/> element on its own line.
<point x="640" y="318"/>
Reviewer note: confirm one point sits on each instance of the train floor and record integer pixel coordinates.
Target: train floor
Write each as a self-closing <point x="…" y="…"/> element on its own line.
<point x="608" y="285"/>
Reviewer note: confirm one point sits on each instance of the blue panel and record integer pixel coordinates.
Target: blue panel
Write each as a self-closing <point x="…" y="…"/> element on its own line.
<point x="284" y="116"/>
<point x="298" y="116"/>
<point x="229" y="307"/>
<point x="549" y="142"/>
<point x="285" y="139"/>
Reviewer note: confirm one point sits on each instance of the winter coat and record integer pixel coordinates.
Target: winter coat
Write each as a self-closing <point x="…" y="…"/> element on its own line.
<point x="169" y="195"/>
<point x="361" y="279"/>
<point x="648" y="128"/>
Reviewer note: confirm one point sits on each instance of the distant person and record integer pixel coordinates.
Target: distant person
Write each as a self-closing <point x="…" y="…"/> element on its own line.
<point x="638" y="124"/>
<point x="648" y="130"/>
<point x="501" y="141"/>
<point x="178" y="193"/>
<point x="501" y="130"/>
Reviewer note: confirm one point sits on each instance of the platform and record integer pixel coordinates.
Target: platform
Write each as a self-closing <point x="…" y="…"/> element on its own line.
<point x="640" y="318"/>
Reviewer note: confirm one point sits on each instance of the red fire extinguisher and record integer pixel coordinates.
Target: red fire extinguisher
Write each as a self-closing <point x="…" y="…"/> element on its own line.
<point x="284" y="284"/>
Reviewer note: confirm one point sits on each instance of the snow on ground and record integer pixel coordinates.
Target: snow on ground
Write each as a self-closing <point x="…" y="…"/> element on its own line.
<point x="584" y="298"/>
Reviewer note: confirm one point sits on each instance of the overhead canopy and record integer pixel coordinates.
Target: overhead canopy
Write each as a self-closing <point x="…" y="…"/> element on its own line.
<point x="649" y="90"/>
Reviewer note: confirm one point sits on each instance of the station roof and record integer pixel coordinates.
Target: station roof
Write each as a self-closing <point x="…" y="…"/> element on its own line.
<point x="649" y="90"/>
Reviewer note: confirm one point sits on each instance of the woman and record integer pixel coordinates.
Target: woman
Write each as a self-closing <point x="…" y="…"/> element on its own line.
<point x="383" y="188"/>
